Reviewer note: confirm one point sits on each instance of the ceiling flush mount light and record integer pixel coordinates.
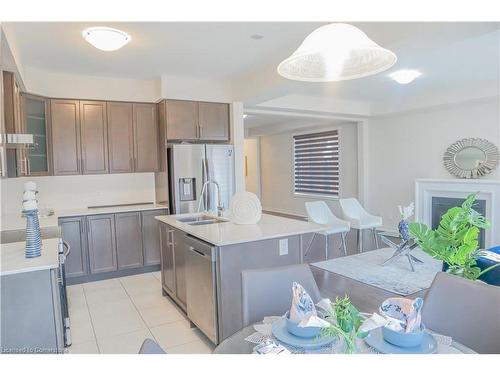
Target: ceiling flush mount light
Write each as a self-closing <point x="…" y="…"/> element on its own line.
<point x="106" y="38"/>
<point x="336" y="52"/>
<point x="405" y="76"/>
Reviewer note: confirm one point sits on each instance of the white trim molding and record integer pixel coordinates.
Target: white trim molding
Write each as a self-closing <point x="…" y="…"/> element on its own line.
<point x="488" y="190"/>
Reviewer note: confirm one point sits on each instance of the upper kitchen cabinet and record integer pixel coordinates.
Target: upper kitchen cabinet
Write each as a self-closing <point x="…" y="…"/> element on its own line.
<point x="120" y="137"/>
<point x="188" y="120"/>
<point x="145" y="137"/>
<point x="213" y="121"/>
<point x="94" y="139"/>
<point x="65" y="129"/>
<point x="182" y="120"/>
<point x="35" y="120"/>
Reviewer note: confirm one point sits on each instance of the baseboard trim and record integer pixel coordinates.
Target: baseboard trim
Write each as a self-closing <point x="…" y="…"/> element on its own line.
<point x="111" y="275"/>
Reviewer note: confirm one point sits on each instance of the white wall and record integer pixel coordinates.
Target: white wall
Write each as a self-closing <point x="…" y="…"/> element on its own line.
<point x="409" y="146"/>
<point x="63" y="85"/>
<point x="191" y="88"/>
<point x="65" y="192"/>
<point x="277" y="170"/>
<point x="252" y="165"/>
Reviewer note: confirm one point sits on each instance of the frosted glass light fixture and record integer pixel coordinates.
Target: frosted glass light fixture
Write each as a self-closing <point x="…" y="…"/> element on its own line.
<point x="106" y="38"/>
<point x="405" y="76"/>
<point x="336" y="52"/>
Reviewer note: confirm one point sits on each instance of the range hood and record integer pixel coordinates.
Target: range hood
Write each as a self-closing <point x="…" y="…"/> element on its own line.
<point x="17" y="140"/>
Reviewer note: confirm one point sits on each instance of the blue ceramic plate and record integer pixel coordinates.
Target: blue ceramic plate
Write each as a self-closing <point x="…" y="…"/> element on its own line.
<point x="280" y="331"/>
<point x="376" y="340"/>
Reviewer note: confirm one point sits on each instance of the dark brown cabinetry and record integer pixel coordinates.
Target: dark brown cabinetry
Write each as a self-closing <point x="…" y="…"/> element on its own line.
<point x="120" y="137"/>
<point x="66" y="145"/>
<point x="128" y="240"/>
<point x="102" y="243"/>
<point x="74" y="233"/>
<point x="189" y="120"/>
<point x="94" y="141"/>
<point x="214" y="121"/>
<point x="167" y="258"/>
<point x="145" y="137"/>
<point x="173" y="265"/>
<point x="111" y="243"/>
<point x="150" y="236"/>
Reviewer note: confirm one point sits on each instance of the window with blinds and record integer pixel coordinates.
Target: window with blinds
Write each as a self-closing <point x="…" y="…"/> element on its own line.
<point x="316" y="163"/>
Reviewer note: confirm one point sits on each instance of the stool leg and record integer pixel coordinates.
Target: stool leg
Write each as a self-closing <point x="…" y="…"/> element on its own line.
<point x="360" y="240"/>
<point x="375" y="237"/>
<point x="326" y="247"/>
<point x="343" y="243"/>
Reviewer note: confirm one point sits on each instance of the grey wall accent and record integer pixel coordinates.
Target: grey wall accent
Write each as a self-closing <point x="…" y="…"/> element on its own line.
<point x="233" y="259"/>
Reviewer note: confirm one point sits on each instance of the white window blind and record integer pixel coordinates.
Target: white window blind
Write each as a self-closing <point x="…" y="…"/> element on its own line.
<point x="316" y="163"/>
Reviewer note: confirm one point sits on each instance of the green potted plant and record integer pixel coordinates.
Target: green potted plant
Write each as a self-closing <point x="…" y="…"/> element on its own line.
<point x="345" y="321"/>
<point x="455" y="240"/>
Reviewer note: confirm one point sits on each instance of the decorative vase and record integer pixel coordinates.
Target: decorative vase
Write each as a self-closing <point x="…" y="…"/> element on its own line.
<point x="404" y="231"/>
<point x="33" y="235"/>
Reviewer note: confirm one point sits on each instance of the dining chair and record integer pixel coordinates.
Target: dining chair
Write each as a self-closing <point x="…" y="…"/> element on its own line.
<point x="360" y="219"/>
<point x="318" y="212"/>
<point x="468" y="311"/>
<point x="268" y="292"/>
<point x="150" y="347"/>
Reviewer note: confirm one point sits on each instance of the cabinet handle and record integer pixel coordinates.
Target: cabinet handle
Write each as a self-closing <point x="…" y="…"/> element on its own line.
<point x="28" y="166"/>
<point x="171" y="235"/>
<point x="82" y="164"/>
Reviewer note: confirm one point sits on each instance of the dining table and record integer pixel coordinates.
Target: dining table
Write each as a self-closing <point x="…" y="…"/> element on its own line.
<point x="245" y="340"/>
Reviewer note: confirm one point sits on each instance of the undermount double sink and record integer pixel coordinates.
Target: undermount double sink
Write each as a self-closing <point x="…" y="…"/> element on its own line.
<point x="200" y="220"/>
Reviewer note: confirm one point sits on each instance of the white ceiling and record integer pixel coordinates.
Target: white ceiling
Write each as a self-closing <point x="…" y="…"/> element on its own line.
<point x="451" y="56"/>
<point x="212" y="50"/>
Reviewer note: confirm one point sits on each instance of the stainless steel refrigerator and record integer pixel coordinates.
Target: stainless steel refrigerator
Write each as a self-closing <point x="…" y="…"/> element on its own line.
<point x="189" y="166"/>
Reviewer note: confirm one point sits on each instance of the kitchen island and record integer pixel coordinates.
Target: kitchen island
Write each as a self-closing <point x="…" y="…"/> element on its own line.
<point x="202" y="258"/>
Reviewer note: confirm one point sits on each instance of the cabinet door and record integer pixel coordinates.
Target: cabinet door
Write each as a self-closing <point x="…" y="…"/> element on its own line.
<point x="145" y="138"/>
<point x="101" y="243"/>
<point x="214" y="121"/>
<point x="182" y="120"/>
<point x="167" y="258"/>
<point x="94" y="136"/>
<point x="120" y="137"/>
<point x="151" y="236"/>
<point x="128" y="240"/>
<point x="180" y="266"/>
<point x="73" y="232"/>
<point x="36" y="121"/>
<point x="65" y="118"/>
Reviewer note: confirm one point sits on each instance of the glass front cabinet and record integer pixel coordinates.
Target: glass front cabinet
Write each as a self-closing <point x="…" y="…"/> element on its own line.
<point x="35" y="160"/>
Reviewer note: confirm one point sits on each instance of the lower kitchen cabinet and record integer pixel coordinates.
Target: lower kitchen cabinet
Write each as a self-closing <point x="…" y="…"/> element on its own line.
<point x="167" y="258"/>
<point x="128" y="240"/>
<point x="180" y="266"/>
<point x="102" y="243"/>
<point x="150" y="236"/>
<point x="74" y="233"/>
<point x="173" y="264"/>
<point x="113" y="245"/>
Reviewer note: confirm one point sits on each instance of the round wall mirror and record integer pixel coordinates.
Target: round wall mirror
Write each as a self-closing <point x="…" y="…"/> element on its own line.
<point x="471" y="158"/>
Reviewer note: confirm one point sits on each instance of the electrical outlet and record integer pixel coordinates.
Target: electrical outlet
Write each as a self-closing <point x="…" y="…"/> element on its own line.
<point x="284" y="246"/>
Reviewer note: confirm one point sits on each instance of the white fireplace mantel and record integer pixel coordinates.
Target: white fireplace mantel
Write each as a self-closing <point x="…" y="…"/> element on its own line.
<point x="489" y="190"/>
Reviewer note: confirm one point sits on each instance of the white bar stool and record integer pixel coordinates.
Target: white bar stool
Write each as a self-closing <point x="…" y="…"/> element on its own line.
<point x="319" y="213"/>
<point x="360" y="219"/>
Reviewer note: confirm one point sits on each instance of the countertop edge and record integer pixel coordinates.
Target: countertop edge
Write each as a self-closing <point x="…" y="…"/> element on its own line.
<point x="185" y="228"/>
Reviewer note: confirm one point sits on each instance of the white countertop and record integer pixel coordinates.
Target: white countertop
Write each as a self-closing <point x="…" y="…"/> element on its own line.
<point x="14" y="261"/>
<point x="228" y="233"/>
<point x="16" y="221"/>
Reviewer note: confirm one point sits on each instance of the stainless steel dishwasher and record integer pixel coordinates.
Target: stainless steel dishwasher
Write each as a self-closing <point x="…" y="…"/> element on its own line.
<point x="201" y="295"/>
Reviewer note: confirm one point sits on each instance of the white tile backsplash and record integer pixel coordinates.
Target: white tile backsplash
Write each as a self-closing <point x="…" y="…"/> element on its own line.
<point x="66" y="192"/>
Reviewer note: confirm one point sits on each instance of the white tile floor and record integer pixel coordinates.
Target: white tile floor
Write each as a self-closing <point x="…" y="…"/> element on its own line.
<point x="116" y="315"/>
